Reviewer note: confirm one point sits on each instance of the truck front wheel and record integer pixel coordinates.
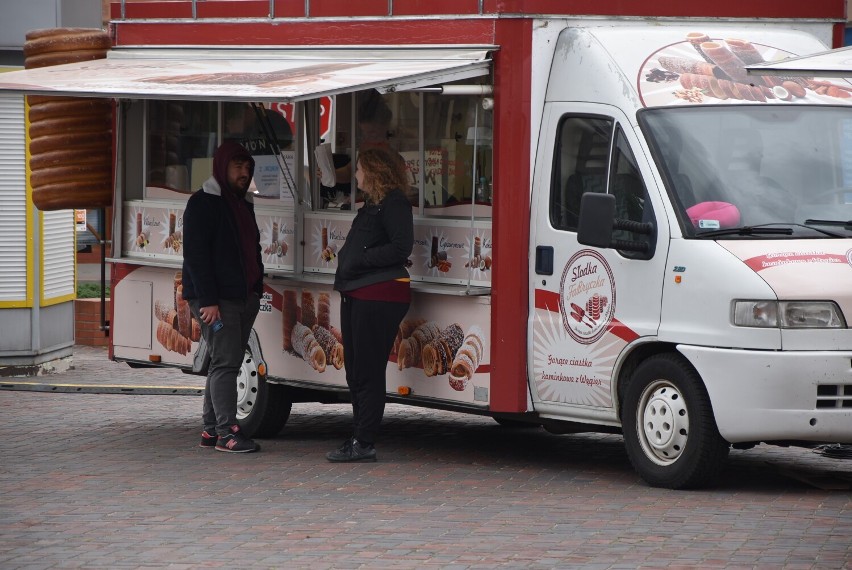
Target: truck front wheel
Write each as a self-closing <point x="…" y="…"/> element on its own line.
<point x="669" y="430"/>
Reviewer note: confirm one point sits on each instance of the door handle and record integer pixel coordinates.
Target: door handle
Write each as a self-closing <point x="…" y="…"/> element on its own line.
<point x="544" y="259"/>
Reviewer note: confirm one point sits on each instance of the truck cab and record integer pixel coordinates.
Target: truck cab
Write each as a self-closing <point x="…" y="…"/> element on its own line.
<point x="690" y="245"/>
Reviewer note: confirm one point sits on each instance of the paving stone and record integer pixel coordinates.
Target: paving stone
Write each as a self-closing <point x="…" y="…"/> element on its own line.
<point x="117" y="481"/>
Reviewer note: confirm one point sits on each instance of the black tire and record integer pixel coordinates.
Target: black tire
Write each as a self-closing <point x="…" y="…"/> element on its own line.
<point x="262" y="408"/>
<point x="669" y="429"/>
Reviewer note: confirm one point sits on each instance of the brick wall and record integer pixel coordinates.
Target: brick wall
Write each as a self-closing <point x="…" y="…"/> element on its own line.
<point x="87" y="322"/>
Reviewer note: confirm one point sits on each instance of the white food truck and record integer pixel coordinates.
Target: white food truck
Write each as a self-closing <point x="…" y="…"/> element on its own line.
<point x="622" y="224"/>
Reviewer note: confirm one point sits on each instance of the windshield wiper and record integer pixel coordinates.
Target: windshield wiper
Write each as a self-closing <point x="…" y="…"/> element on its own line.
<point x="761" y="230"/>
<point x="768" y="229"/>
<point x="847" y="225"/>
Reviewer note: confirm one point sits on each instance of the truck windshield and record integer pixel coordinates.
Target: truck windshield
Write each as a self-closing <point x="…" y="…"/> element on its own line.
<point x="728" y="167"/>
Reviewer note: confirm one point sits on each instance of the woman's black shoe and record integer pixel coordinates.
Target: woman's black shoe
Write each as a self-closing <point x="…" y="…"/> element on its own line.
<point x="352" y="450"/>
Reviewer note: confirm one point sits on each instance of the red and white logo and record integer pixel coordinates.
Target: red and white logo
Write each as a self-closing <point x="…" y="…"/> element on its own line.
<point x="587" y="296"/>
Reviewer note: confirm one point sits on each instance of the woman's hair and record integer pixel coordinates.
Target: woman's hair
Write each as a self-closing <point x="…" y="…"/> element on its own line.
<point x="383" y="171"/>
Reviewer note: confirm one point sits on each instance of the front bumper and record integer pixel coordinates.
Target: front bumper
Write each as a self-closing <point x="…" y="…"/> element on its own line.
<point x="760" y="395"/>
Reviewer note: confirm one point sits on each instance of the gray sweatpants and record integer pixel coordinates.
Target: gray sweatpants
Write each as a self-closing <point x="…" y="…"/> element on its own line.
<point x="227" y="348"/>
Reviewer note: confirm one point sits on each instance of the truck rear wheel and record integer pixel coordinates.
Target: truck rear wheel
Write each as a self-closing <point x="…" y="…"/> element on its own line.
<point x="669" y="430"/>
<point x="262" y="408"/>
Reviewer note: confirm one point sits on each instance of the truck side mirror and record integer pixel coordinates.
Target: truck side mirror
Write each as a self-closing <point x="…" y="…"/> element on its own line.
<point x="597" y="222"/>
<point x="597" y="216"/>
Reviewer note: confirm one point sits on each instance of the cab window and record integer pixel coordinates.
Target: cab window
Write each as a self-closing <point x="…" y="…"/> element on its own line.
<point x="625" y="183"/>
<point x="592" y="155"/>
<point x="581" y="161"/>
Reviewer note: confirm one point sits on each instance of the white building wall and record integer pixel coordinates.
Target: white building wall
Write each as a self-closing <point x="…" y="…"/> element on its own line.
<point x="13" y="201"/>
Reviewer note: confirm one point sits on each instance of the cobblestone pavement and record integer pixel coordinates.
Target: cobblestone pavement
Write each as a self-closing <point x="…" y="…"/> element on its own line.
<point x="116" y="481"/>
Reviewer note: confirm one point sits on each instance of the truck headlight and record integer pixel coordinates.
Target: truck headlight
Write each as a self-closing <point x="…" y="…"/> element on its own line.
<point x="788" y="314"/>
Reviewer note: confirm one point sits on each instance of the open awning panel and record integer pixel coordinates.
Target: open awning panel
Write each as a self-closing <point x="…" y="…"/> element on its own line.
<point x="273" y="75"/>
<point x="833" y="63"/>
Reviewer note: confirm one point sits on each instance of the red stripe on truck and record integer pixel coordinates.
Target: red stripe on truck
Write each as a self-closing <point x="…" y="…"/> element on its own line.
<point x="622" y="331"/>
<point x="547" y="300"/>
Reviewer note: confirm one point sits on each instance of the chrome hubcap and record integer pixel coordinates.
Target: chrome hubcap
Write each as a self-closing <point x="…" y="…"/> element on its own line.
<point x="248" y="380"/>
<point x="664" y="421"/>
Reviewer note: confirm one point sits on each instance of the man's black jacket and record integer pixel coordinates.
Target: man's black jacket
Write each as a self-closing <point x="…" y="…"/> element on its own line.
<point x="213" y="267"/>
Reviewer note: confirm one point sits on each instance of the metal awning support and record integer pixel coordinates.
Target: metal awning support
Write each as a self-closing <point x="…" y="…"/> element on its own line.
<point x="832" y="63"/>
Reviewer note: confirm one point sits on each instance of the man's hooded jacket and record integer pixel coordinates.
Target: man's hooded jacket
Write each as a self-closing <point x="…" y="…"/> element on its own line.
<point x="219" y="234"/>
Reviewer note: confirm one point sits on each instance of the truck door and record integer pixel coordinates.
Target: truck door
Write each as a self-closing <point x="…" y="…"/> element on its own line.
<point x="588" y="304"/>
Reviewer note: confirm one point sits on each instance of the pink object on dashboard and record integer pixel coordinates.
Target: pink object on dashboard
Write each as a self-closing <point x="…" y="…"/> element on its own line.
<point x="704" y="214"/>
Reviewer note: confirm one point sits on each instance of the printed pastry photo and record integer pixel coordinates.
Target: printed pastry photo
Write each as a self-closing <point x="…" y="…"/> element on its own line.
<point x="719" y="72"/>
<point x="307" y="329"/>
<point x="467" y="359"/>
<point x="276" y="248"/>
<point x="174" y="239"/>
<point x="309" y="312"/>
<point x="172" y="340"/>
<point x="327" y="251"/>
<point x="324" y="311"/>
<point x="177" y="328"/>
<point x="406" y="328"/>
<point x="409" y="351"/>
<point x="438" y="354"/>
<point x="174" y="242"/>
<point x="289" y="317"/>
<point x="141" y="236"/>
<point x="305" y="345"/>
<point x="330" y="345"/>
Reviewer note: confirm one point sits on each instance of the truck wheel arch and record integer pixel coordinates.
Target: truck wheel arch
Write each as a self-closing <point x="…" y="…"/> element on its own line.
<point x="631" y="361"/>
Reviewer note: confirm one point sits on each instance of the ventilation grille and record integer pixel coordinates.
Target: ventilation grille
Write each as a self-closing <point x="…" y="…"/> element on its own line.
<point x="834" y="396"/>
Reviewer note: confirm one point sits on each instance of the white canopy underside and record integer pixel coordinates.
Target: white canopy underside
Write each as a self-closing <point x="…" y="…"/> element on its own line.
<point x="261" y="75"/>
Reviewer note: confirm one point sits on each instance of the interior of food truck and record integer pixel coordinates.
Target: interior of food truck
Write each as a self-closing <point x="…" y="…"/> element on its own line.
<point x="443" y="134"/>
<point x="445" y="141"/>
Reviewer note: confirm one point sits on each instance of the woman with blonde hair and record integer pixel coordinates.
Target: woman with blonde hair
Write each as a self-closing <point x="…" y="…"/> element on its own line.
<point x="374" y="293"/>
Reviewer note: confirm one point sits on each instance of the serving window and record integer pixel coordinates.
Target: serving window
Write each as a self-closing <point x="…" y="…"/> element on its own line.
<point x="181" y="137"/>
<point x="444" y="140"/>
<point x="458" y="161"/>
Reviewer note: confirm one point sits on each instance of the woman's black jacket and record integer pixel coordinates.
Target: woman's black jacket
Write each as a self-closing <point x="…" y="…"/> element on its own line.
<point x="378" y="244"/>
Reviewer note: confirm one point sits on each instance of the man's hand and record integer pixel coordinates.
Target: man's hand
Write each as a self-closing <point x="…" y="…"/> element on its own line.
<point x="209" y="314"/>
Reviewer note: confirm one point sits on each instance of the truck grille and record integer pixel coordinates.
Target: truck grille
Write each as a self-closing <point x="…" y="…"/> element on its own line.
<point x="834" y="396"/>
